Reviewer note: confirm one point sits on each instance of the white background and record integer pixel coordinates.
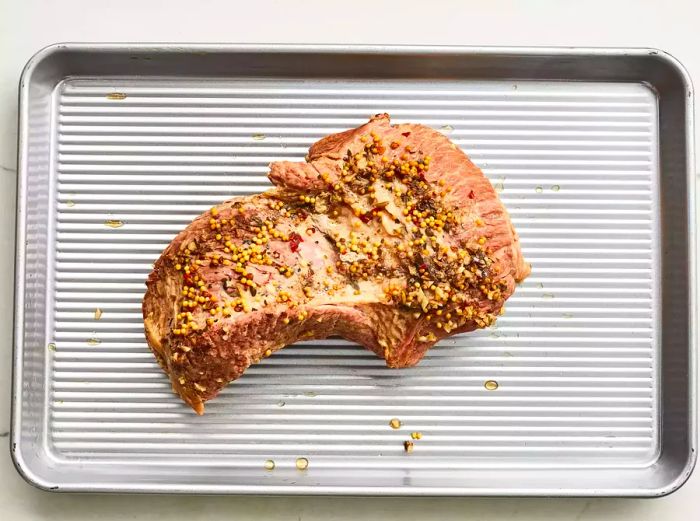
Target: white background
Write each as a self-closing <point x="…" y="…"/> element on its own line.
<point x="28" y="25"/>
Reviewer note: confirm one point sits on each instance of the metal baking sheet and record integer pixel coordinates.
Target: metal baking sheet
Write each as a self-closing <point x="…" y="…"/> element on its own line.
<point x="122" y="145"/>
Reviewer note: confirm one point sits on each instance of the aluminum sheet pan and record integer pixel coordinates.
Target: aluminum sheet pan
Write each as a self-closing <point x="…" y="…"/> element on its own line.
<point x="121" y="146"/>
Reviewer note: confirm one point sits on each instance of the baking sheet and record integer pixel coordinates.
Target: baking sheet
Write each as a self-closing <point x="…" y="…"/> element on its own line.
<point x="132" y="158"/>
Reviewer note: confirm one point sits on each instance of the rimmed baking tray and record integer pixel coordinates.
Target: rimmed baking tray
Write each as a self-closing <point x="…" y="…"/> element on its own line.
<point x="591" y="150"/>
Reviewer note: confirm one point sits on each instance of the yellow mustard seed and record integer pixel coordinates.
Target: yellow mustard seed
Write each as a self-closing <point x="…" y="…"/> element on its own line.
<point x="491" y="385"/>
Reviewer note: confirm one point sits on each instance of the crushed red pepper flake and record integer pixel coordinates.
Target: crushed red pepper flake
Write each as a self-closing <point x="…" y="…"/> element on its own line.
<point x="294" y="240"/>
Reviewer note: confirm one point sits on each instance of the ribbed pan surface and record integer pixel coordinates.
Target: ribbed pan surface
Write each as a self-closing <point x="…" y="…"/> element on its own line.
<point x="574" y="356"/>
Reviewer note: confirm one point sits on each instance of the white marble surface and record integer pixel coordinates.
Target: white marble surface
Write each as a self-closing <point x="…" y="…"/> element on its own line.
<point x="27" y="25"/>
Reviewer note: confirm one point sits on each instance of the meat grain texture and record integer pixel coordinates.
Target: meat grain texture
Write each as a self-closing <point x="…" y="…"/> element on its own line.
<point x="388" y="236"/>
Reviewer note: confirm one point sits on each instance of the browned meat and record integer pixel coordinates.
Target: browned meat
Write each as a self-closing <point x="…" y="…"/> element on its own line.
<point x="388" y="236"/>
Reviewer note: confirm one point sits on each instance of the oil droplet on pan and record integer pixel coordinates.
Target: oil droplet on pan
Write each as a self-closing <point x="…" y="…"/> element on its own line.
<point x="446" y="129"/>
<point x="116" y="96"/>
<point x="70" y="204"/>
<point x="113" y="223"/>
<point x="395" y="423"/>
<point x="302" y="463"/>
<point x="98" y="313"/>
<point x="92" y="341"/>
<point x="556" y="188"/>
<point x="269" y="464"/>
<point x="490" y="385"/>
<point x="259" y="137"/>
<point x="51" y="346"/>
<point x="538" y="189"/>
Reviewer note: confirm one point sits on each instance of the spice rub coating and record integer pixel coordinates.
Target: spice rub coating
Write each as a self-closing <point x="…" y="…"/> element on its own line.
<point x="388" y="235"/>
